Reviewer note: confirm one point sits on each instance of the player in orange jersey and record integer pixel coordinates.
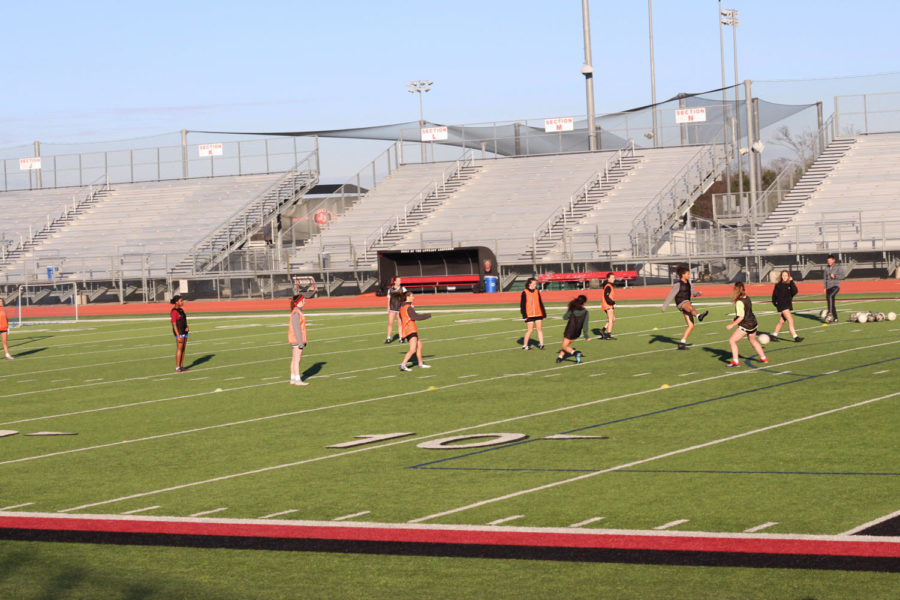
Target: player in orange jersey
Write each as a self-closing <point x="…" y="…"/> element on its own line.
<point x="532" y="308"/>
<point x="297" y="337"/>
<point x="4" y="328"/>
<point x="409" y="331"/>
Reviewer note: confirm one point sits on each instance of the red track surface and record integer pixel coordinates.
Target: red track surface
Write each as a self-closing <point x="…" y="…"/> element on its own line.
<point x="761" y="291"/>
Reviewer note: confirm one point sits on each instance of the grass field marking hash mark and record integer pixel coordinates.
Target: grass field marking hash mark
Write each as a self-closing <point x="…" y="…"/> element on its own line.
<point x="761" y="527"/>
<point x="506" y="520"/>
<point x="671" y="524"/>
<point x="278" y="514"/>
<point x="650" y="459"/>
<point x="417" y="439"/>
<point x="139" y="510"/>
<point x="14" y="506"/>
<point x="353" y="516"/>
<point x="587" y="522"/>
<point x="209" y="512"/>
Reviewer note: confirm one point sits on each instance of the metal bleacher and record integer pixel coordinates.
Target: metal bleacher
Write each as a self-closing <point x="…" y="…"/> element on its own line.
<point x="140" y="229"/>
<point x="856" y="206"/>
<point x="27" y="212"/>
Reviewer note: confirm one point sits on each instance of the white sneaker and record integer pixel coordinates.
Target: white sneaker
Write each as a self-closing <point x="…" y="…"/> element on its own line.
<point x="8" y="357"/>
<point x="299" y="382"/>
<point x="424" y="366"/>
<point x="403" y="367"/>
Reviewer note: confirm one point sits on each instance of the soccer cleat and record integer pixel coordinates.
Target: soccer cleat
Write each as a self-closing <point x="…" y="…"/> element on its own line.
<point x="578" y="357"/>
<point x="798" y="339"/>
<point x="732" y="363"/>
<point x="702" y="315"/>
<point x="387" y="340"/>
<point x="764" y="360"/>
<point x="774" y="338"/>
<point x="9" y="357"/>
<point x="403" y="367"/>
<point x="559" y="359"/>
<point x="424" y="366"/>
<point x="682" y="346"/>
<point x="609" y="336"/>
<point x="300" y="382"/>
<point x="178" y="369"/>
<point x="526" y="347"/>
<point x="541" y="347"/>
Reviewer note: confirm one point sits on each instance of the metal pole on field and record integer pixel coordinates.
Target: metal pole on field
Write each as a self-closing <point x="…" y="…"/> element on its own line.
<point x="752" y="166"/>
<point x="652" y="72"/>
<point x="588" y="71"/>
<point x="37" y="154"/>
<point x="184" y="156"/>
<point x="730" y="17"/>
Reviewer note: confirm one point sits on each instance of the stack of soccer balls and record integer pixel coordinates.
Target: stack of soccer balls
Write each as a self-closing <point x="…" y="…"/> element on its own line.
<point x="871" y="317"/>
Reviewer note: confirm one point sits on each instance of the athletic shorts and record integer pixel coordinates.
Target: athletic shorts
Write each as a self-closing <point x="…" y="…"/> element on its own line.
<point x="533" y="319"/>
<point x="3" y="330"/>
<point x="180" y="336"/>
<point x="301" y="346"/>
<point x="394" y="312"/>
<point x="682" y="303"/>
<point x="748" y="330"/>
<point x="411" y="336"/>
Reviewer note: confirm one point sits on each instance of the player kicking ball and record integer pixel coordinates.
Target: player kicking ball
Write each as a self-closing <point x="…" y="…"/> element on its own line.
<point x="745" y="322"/>
<point x="681" y="293"/>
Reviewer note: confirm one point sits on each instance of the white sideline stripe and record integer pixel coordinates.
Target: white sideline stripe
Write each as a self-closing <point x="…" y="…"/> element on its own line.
<point x="60" y="380"/>
<point x="345" y="517"/>
<point x="650" y="459"/>
<point x="587" y="522"/>
<point x="596" y="374"/>
<point x="832" y="372"/>
<point x="553" y="375"/>
<point x="670" y="524"/>
<point x="872" y="523"/>
<point x="880" y="372"/>
<point x="761" y="527"/>
<point x="196" y="378"/>
<point x="348" y="377"/>
<point x="389" y="444"/>
<point x="26" y="380"/>
<point x="278" y="514"/>
<point x="386" y="377"/>
<point x="209" y="512"/>
<point x="90" y="380"/>
<point x="139" y="510"/>
<point x="506" y="520"/>
<point x="686" y="374"/>
<point x="467" y="376"/>
<point x="640" y="374"/>
<point x="16" y="506"/>
<point x="270" y="378"/>
<point x="233" y="378"/>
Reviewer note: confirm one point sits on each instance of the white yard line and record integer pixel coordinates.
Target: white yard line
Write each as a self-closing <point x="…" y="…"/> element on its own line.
<point x="671" y="524"/>
<point x="16" y="506"/>
<point x="421" y="438"/>
<point x="761" y="527"/>
<point x="881" y="372"/>
<point x="506" y="520"/>
<point x="650" y="459"/>
<point x="587" y="522"/>
<point x="209" y="512"/>
<point x="872" y="523"/>
<point x="354" y="515"/>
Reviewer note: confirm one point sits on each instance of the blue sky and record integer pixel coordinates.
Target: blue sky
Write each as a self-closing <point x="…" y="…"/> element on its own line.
<point x="91" y="71"/>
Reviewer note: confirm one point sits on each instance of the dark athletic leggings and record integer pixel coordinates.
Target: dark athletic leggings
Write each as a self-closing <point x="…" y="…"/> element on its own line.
<point x="830" y="293"/>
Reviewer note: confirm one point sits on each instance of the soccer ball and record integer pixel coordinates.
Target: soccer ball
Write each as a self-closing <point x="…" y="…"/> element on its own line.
<point x="824" y="313"/>
<point x="879" y="317"/>
<point x="829" y="319"/>
<point x="891" y="316"/>
<point x="871" y="317"/>
<point x="763" y="338"/>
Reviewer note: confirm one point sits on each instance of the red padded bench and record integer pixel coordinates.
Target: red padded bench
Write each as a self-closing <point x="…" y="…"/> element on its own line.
<point x="440" y="281"/>
<point x="585" y="278"/>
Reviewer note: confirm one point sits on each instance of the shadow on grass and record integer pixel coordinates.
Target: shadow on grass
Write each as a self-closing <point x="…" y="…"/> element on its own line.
<point x="314" y="369"/>
<point x="200" y="360"/>
<point x="27" y="352"/>
<point x="662" y="338"/>
<point x="21" y="341"/>
<point x="720" y="353"/>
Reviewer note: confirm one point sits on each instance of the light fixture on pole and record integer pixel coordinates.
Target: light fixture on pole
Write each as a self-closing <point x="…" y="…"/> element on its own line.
<point x="729" y="17"/>
<point x="420" y="87"/>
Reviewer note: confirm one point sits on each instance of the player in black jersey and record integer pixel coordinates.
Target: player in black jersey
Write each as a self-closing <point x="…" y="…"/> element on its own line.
<point x="681" y="293"/>
<point x="578" y="321"/>
<point x="745" y="321"/>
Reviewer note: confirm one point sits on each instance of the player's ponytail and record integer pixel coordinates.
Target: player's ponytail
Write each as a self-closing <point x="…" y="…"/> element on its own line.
<point x="738" y="292"/>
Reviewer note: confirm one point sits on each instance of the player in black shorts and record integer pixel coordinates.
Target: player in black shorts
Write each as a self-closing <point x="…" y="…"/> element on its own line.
<point x="578" y="321"/>
<point x="746" y="324"/>
<point x="681" y="293"/>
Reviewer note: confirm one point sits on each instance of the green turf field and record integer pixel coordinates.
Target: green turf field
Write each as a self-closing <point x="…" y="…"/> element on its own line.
<point x="675" y="441"/>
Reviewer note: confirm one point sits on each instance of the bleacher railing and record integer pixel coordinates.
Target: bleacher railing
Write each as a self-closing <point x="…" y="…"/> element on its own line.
<point x="561" y="215"/>
<point x="652" y="224"/>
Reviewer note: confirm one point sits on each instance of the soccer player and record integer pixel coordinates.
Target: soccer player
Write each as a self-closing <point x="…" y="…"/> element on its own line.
<point x="409" y="331"/>
<point x="4" y="329"/>
<point x="783" y="298"/>
<point x="681" y="293"/>
<point x="395" y="299"/>
<point x="578" y="320"/>
<point x="297" y="337"/>
<point x="608" y="304"/>
<point x="833" y="275"/>
<point x="532" y="308"/>
<point x="745" y="321"/>
<point x="180" y="329"/>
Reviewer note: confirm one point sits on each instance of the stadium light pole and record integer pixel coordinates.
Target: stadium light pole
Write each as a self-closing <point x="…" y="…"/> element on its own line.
<point x="729" y="17"/>
<point x="725" y="125"/>
<point x="652" y="72"/>
<point x="420" y="87"/>
<point x="588" y="71"/>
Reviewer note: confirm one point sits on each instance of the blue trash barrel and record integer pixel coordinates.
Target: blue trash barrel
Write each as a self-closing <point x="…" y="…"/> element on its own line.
<point x="491" y="283"/>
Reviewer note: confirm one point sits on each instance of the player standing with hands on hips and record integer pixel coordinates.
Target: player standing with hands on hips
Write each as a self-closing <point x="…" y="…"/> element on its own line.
<point x="833" y="275"/>
<point x="180" y="329"/>
<point x="297" y="337"/>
